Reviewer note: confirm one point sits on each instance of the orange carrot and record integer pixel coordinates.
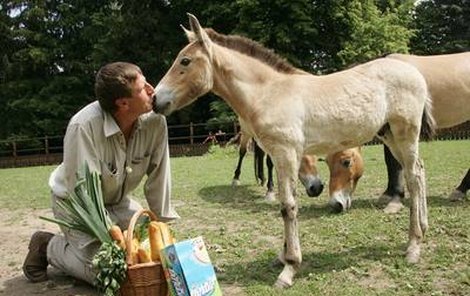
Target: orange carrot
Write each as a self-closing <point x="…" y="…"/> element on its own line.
<point x="117" y="235"/>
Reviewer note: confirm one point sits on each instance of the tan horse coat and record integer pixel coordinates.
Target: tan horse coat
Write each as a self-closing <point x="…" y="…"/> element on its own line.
<point x="448" y="79"/>
<point x="291" y="113"/>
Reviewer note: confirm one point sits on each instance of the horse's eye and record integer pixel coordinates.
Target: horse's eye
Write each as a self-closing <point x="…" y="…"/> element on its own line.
<point x="185" y="61"/>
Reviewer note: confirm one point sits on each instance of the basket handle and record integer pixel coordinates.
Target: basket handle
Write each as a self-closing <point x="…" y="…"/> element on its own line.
<point x="130" y="231"/>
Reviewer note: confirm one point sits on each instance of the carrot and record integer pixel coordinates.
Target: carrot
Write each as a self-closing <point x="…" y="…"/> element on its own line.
<point x="117" y="235"/>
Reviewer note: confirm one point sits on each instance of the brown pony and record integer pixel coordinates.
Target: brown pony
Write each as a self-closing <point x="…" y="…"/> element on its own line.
<point x="290" y="113"/>
<point x="308" y="173"/>
<point x="346" y="168"/>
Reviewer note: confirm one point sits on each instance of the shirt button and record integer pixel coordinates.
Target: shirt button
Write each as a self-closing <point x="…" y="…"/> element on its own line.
<point x="128" y="169"/>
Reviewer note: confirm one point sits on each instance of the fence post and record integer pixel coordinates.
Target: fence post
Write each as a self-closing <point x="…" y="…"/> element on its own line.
<point x="191" y="133"/>
<point x="46" y="145"/>
<point x="14" y="149"/>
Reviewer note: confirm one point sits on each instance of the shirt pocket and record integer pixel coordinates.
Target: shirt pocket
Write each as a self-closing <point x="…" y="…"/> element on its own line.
<point x="111" y="182"/>
<point x="139" y="166"/>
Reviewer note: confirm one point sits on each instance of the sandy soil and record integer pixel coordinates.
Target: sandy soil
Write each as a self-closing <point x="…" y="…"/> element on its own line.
<point x="16" y="228"/>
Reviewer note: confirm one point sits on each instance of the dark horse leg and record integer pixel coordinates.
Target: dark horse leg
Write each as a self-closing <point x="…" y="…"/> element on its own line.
<point x="241" y="155"/>
<point x="395" y="189"/>
<point x="259" y="171"/>
<point x="259" y="164"/>
<point x="270" y="193"/>
<point x="460" y="192"/>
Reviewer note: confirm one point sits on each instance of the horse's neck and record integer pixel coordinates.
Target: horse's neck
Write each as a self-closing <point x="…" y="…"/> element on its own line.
<point x="240" y="79"/>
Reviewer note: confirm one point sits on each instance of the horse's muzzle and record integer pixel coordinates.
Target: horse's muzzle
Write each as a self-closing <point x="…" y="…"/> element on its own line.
<point x="315" y="189"/>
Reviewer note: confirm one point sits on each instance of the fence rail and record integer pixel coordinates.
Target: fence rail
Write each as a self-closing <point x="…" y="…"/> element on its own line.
<point x="184" y="140"/>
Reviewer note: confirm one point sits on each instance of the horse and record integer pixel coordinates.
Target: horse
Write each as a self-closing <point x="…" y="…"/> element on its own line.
<point x="346" y="168"/>
<point x="448" y="80"/>
<point x="291" y="112"/>
<point x="308" y="173"/>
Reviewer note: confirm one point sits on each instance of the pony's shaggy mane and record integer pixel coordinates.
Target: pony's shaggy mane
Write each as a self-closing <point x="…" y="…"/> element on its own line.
<point x="253" y="49"/>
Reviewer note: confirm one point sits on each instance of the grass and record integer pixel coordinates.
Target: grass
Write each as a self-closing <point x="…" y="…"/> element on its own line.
<point x="357" y="253"/>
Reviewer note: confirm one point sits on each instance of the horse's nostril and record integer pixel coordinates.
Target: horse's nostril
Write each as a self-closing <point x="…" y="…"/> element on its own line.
<point x="337" y="207"/>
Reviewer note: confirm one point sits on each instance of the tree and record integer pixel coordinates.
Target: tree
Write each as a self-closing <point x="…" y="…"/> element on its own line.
<point x="443" y="26"/>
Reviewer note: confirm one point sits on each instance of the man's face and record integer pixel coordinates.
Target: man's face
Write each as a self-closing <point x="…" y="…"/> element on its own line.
<point x="141" y="101"/>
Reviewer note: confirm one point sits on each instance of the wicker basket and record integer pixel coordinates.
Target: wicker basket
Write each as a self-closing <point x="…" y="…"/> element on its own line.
<point x="143" y="279"/>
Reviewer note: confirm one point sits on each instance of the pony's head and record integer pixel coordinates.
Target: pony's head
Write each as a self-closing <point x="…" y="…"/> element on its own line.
<point x="190" y="76"/>
<point x="346" y="168"/>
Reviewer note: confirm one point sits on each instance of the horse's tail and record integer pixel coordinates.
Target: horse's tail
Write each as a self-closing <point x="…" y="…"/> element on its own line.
<point x="428" y="124"/>
<point x="258" y="163"/>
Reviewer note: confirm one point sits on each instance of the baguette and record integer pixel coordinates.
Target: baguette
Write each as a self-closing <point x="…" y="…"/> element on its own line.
<point x="156" y="242"/>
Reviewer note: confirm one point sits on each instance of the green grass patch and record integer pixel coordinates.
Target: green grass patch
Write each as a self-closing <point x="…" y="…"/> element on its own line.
<point x="357" y="253"/>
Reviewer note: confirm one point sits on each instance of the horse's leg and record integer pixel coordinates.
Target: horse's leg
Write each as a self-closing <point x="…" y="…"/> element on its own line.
<point x="270" y="195"/>
<point x="287" y="167"/>
<point x="395" y="189"/>
<point x="405" y="151"/>
<point x="460" y="192"/>
<point x="241" y="155"/>
<point x="259" y="164"/>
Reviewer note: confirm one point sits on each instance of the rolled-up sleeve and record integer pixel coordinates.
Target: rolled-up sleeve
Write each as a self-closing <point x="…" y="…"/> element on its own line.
<point x="157" y="188"/>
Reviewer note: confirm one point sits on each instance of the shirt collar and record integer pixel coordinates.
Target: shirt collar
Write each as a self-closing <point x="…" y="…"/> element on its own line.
<point x="111" y="127"/>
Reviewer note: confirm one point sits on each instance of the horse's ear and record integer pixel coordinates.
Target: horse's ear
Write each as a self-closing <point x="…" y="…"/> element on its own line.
<point x="189" y="34"/>
<point x="200" y="33"/>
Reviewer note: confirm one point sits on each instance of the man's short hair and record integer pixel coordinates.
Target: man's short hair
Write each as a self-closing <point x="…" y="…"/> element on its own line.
<point x="114" y="81"/>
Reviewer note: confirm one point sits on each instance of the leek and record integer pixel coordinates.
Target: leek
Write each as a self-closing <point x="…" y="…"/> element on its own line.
<point x="85" y="211"/>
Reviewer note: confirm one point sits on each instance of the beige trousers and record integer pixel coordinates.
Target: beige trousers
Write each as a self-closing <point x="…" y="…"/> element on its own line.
<point x="73" y="251"/>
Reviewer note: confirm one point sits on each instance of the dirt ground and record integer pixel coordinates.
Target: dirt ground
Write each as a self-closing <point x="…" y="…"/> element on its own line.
<point x="16" y="228"/>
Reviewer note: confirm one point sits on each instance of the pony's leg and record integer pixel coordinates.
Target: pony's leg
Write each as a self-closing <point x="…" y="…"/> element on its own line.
<point x="460" y="192"/>
<point x="406" y="152"/>
<point x="241" y="155"/>
<point x="287" y="167"/>
<point x="395" y="191"/>
<point x="270" y="195"/>
<point x="259" y="164"/>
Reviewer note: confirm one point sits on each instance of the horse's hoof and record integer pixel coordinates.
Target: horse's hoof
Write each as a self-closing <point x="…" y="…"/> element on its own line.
<point x="394" y="206"/>
<point x="235" y="182"/>
<point x="457" y="195"/>
<point x="384" y="199"/>
<point x="412" y="255"/>
<point x="281" y="284"/>
<point x="270" y="197"/>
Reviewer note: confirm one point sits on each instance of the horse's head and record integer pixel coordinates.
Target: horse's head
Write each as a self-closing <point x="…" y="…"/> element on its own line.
<point x="308" y="175"/>
<point x="190" y="76"/>
<point x="346" y="167"/>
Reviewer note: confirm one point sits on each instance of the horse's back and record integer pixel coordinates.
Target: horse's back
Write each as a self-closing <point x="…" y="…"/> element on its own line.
<point x="448" y="80"/>
<point x="356" y="103"/>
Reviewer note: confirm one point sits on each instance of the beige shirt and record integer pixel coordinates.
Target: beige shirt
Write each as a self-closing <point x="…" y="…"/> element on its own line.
<point x="94" y="136"/>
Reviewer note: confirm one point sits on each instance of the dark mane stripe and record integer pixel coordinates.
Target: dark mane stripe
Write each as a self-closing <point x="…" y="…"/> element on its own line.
<point x="253" y="49"/>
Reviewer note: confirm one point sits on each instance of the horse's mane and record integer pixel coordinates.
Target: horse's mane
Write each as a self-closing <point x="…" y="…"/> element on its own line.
<point x="253" y="49"/>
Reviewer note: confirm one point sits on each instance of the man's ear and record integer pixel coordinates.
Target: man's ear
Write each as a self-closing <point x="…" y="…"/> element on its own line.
<point x="121" y="104"/>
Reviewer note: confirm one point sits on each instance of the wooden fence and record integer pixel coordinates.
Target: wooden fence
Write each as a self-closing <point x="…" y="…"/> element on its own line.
<point x="184" y="140"/>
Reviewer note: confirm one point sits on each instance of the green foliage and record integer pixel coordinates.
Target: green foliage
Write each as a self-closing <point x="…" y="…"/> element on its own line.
<point x="373" y="33"/>
<point x="110" y="261"/>
<point x="443" y="26"/>
<point x="51" y="49"/>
